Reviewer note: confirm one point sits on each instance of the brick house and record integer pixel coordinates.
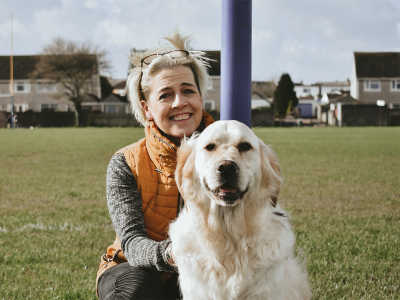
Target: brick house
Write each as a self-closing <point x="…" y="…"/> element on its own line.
<point x="376" y="78"/>
<point x="35" y="94"/>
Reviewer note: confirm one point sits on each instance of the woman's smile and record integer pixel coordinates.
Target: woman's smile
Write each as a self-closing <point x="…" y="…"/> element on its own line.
<point x="181" y="117"/>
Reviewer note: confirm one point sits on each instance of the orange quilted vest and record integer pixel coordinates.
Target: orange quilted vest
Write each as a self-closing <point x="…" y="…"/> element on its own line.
<point x="152" y="161"/>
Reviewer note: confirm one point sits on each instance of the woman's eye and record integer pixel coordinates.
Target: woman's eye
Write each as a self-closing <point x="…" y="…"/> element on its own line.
<point x="210" y="147"/>
<point x="164" y="96"/>
<point x="244" y="146"/>
<point x="188" y="91"/>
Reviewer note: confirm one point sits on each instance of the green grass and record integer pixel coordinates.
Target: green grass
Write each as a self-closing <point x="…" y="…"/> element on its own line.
<point x="342" y="190"/>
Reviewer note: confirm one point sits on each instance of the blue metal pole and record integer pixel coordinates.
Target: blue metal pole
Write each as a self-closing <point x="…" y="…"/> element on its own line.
<point x="236" y="61"/>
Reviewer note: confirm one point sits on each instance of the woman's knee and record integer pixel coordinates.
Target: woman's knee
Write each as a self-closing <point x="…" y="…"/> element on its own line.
<point x="126" y="282"/>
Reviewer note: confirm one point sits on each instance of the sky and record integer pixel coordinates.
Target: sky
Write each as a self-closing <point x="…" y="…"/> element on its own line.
<point x="312" y="40"/>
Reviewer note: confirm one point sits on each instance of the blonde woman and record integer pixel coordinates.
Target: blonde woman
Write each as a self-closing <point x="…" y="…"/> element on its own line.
<point x="166" y="89"/>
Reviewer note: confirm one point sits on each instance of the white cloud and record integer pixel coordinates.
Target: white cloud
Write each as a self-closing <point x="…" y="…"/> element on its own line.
<point x="91" y="3"/>
<point x="313" y="40"/>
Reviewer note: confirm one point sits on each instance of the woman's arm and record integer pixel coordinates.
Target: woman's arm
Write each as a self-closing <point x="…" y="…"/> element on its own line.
<point x="125" y="207"/>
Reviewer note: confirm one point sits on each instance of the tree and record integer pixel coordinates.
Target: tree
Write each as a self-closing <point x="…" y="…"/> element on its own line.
<point x="72" y="65"/>
<point x="285" y="99"/>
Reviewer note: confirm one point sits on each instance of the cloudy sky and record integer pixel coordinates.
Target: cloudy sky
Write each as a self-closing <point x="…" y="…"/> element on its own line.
<point x="312" y="40"/>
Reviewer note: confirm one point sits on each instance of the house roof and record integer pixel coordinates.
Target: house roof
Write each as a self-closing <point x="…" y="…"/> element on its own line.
<point x="332" y="83"/>
<point x="263" y="88"/>
<point x="308" y="97"/>
<point x="120" y="85"/>
<point x="346" y="99"/>
<point x="377" y="64"/>
<point x="324" y="84"/>
<point x="215" y="62"/>
<point x="89" y="98"/>
<point x="106" y="86"/>
<point x="24" y="65"/>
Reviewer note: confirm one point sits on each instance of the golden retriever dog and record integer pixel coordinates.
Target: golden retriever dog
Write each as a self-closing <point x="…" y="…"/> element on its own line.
<point x="231" y="239"/>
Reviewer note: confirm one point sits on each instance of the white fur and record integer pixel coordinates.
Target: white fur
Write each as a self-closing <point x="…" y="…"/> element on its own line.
<point x="233" y="252"/>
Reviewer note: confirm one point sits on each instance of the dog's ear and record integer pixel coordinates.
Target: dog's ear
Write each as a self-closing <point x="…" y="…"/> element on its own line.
<point x="270" y="171"/>
<point x="185" y="165"/>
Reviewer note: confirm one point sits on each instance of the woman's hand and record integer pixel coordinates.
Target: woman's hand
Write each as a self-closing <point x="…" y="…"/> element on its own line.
<point x="169" y="256"/>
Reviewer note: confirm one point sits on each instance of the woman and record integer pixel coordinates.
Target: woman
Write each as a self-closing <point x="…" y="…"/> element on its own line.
<point x="165" y="89"/>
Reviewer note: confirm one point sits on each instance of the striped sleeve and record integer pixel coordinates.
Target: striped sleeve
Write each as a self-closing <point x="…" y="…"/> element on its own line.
<point x="125" y="207"/>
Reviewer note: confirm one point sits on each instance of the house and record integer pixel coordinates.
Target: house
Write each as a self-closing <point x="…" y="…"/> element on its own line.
<point x="320" y="90"/>
<point x="307" y="90"/>
<point x="114" y="99"/>
<point x="35" y="94"/>
<point x="312" y="96"/>
<point x="376" y="78"/>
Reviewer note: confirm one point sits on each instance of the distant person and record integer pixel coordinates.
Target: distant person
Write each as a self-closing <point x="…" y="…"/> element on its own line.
<point x="166" y="90"/>
<point x="9" y="121"/>
<point x="15" y="121"/>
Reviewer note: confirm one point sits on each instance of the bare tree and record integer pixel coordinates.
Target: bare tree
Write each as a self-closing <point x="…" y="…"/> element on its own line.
<point x="73" y="65"/>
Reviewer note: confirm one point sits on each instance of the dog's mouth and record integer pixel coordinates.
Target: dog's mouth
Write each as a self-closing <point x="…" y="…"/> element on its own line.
<point x="226" y="194"/>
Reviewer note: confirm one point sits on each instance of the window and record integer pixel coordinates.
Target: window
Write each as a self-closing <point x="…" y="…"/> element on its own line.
<point x="395" y="85"/>
<point x="306" y="91"/>
<point x="372" y="85"/>
<point x="22" y="87"/>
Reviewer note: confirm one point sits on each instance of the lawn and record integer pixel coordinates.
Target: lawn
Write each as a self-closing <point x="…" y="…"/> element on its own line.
<point x="342" y="189"/>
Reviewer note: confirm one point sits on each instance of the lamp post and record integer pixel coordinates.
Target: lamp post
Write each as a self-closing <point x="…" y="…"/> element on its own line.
<point x="12" y="91"/>
<point x="236" y="61"/>
<point x="12" y="76"/>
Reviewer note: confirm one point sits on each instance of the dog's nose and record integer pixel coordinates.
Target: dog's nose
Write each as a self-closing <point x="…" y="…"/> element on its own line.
<point x="228" y="168"/>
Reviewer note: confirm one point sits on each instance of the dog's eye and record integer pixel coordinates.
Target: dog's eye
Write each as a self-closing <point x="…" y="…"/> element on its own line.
<point x="244" y="146"/>
<point x="210" y="147"/>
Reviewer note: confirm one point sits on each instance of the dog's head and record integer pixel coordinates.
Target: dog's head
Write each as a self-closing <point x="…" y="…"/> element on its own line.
<point x="227" y="162"/>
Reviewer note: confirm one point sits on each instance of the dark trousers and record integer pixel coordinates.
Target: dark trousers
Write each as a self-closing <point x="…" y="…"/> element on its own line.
<point x="123" y="282"/>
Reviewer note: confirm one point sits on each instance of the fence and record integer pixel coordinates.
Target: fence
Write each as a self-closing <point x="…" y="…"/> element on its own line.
<point x="369" y="115"/>
<point x="48" y="118"/>
<point x="352" y="115"/>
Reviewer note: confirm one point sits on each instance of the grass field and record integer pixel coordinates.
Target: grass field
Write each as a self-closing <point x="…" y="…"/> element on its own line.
<point x="342" y="189"/>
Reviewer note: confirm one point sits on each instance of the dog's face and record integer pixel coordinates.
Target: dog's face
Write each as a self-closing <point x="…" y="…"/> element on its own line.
<point x="226" y="161"/>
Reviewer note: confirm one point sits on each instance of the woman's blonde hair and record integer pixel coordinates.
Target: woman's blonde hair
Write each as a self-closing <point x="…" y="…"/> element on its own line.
<point x="139" y="78"/>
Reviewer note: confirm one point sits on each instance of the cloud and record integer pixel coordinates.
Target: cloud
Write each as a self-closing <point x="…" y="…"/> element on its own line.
<point x="91" y="3"/>
<point x="312" y="40"/>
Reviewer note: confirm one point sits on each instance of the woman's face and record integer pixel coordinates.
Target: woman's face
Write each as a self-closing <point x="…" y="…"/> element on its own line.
<point x="174" y="101"/>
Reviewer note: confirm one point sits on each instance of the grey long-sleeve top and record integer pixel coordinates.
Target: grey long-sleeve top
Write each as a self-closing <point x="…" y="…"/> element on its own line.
<point x="125" y="208"/>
